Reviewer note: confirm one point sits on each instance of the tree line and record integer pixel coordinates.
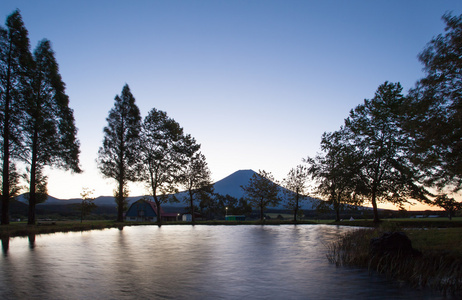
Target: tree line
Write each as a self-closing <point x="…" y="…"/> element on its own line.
<point x="155" y="151"/>
<point x="395" y="147"/>
<point x="391" y="148"/>
<point x="36" y="124"/>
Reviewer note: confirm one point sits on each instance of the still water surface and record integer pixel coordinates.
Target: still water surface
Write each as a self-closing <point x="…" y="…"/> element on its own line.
<point x="188" y="262"/>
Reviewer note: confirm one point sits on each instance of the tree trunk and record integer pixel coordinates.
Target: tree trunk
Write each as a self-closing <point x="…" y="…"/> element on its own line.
<point x="374" y="207"/>
<point x="337" y="209"/>
<point x="31" y="215"/>
<point x="6" y="153"/>
<point x="33" y="181"/>
<point x="337" y="214"/>
<point x="191" y="200"/>
<point x="120" y="203"/>
<point x="120" y="200"/>
<point x="296" y="208"/>
<point x="159" y="214"/>
<point x="261" y="211"/>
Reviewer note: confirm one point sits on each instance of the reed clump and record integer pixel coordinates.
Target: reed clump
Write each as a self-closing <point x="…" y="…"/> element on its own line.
<point x="437" y="269"/>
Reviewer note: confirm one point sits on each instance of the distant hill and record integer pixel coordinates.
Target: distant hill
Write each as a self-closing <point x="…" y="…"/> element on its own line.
<point x="230" y="185"/>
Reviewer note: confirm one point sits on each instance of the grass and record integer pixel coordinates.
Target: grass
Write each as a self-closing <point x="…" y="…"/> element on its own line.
<point x="426" y="223"/>
<point x="443" y="240"/>
<point x="439" y="266"/>
<point x="22" y="229"/>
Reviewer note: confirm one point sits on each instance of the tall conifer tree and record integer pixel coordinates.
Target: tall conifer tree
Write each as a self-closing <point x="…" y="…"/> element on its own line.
<point x="15" y="58"/>
<point x="118" y="157"/>
<point x="48" y="128"/>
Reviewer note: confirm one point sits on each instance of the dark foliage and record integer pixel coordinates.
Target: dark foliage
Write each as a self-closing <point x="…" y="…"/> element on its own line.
<point x="262" y="191"/>
<point x="15" y="58"/>
<point x="119" y="156"/>
<point x="375" y="132"/>
<point x="434" y="109"/>
<point x="50" y="135"/>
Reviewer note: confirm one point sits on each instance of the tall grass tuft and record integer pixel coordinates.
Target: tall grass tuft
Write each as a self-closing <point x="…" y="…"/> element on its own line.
<point x="438" y="270"/>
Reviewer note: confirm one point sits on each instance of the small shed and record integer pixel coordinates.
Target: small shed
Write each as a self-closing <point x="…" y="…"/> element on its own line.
<point x="188" y="217"/>
<point x="143" y="211"/>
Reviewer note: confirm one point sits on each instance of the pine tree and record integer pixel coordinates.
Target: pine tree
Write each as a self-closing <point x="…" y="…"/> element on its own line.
<point x="119" y="156"/>
<point x="49" y="129"/>
<point x="15" y="59"/>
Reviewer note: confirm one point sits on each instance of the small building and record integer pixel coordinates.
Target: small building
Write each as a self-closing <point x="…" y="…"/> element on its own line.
<point x="146" y="211"/>
<point x="235" y="217"/>
<point x="188" y="217"/>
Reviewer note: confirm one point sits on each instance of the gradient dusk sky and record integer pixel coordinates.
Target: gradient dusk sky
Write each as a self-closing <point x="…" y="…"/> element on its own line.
<point x="255" y="82"/>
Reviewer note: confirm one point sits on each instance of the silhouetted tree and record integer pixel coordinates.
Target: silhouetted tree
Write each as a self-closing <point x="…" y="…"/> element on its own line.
<point x="41" y="190"/>
<point x="335" y="172"/>
<point x="15" y="59"/>
<point x="195" y="177"/>
<point x="295" y="189"/>
<point x="87" y="204"/>
<point x="50" y="135"/>
<point x="243" y="208"/>
<point x="450" y="205"/>
<point x="262" y="191"/>
<point x="119" y="156"/>
<point x="209" y="206"/>
<point x="162" y="149"/>
<point x="434" y="114"/>
<point x="385" y="171"/>
<point x="14" y="181"/>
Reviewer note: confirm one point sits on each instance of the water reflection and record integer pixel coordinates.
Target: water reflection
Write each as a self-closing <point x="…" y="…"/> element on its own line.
<point x="5" y="245"/>
<point x="31" y="241"/>
<point x="187" y="262"/>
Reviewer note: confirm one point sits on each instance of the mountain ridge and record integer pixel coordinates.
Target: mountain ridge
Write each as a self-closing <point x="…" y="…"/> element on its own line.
<point x="229" y="185"/>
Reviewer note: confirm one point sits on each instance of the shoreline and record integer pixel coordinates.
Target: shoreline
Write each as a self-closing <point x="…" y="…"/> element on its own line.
<point x="16" y="229"/>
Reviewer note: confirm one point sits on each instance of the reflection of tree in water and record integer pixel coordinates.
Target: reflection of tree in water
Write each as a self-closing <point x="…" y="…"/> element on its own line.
<point x="5" y="245"/>
<point x="31" y="241"/>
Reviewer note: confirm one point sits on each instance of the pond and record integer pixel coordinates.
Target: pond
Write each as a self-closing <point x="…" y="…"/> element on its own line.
<point x="188" y="262"/>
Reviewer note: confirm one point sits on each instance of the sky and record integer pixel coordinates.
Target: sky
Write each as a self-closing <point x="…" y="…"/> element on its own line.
<point x="255" y="82"/>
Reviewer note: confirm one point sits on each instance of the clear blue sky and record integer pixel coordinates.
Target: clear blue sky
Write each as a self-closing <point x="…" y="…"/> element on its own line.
<point x="255" y="82"/>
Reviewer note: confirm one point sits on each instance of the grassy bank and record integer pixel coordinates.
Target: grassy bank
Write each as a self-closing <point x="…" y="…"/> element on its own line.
<point x="439" y="266"/>
<point x="22" y="229"/>
<point x="406" y="223"/>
